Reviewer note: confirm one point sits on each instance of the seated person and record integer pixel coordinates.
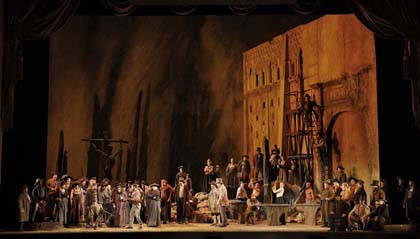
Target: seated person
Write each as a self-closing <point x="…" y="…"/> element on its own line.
<point x="357" y="218"/>
<point x="252" y="209"/>
<point x="241" y="193"/>
<point x="376" y="220"/>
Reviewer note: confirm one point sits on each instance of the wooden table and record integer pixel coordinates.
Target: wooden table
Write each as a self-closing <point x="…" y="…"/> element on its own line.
<point x="274" y="211"/>
<point x="238" y="208"/>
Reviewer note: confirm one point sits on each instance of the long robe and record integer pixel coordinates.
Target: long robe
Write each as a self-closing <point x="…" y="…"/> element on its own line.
<point x="24" y="203"/>
<point x="231" y="173"/>
<point x="121" y="202"/>
<point x="77" y="206"/>
<point x="212" y="199"/>
<point x="153" y="208"/>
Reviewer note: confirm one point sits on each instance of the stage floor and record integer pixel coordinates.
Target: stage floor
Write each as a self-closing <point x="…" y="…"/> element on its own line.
<point x="200" y="230"/>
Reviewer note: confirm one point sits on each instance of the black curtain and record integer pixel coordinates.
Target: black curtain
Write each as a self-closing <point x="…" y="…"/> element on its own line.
<point x="27" y="20"/>
<point x="396" y="19"/>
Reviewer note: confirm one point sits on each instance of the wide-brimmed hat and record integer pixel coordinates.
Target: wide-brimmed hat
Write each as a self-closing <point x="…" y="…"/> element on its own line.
<point x="154" y="185"/>
<point x="353" y="178"/>
<point x="375" y="183"/>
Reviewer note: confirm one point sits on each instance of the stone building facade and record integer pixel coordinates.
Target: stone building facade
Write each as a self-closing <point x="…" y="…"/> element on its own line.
<point x="332" y="60"/>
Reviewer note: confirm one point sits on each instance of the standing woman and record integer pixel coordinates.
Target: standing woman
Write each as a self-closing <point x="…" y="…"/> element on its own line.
<point x="153" y="206"/>
<point x="231" y="173"/>
<point x="24" y="203"/>
<point x="76" y="204"/>
<point x="120" y="200"/>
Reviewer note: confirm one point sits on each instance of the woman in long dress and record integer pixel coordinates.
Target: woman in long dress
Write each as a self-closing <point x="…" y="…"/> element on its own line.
<point x="121" y="203"/>
<point x="153" y="206"/>
<point x="231" y="174"/>
<point x="76" y="205"/>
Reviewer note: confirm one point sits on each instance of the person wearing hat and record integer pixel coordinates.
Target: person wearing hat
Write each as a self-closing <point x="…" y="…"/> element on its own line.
<point x="223" y="202"/>
<point x="153" y="206"/>
<point x="412" y="202"/>
<point x="213" y="198"/>
<point x="352" y="184"/>
<point x="136" y="198"/>
<point x="24" y="205"/>
<point x="181" y="199"/>
<point x="252" y="209"/>
<point x="377" y="217"/>
<point x="326" y="196"/>
<point x="378" y="193"/>
<point x="342" y="177"/>
<point x="180" y="174"/>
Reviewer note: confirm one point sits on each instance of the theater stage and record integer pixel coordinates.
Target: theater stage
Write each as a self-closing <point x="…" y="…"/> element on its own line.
<point x="196" y="230"/>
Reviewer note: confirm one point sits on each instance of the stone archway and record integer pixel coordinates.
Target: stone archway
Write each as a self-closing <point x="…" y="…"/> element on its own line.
<point x="347" y="144"/>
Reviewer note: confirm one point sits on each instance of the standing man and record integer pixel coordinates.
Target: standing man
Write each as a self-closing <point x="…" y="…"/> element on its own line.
<point x="165" y="203"/>
<point x="136" y="198"/>
<point x="52" y="186"/>
<point x="181" y="174"/>
<point x="181" y="198"/>
<point x="39" y="195"/>
<point x="24" y="203"/>
<point x="342" y="177"/>
<point x="326" y="196"/>
<point x="258" y="163"/>
<point x="412" y="202"/>
<point x="223" y="202"/>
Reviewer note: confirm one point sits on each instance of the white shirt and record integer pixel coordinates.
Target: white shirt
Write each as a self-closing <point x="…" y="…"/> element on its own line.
<point x="279" y="192"/>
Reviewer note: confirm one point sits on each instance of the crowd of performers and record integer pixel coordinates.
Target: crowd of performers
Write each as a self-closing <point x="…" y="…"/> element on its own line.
<point x="343" y="200"/>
